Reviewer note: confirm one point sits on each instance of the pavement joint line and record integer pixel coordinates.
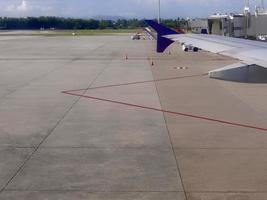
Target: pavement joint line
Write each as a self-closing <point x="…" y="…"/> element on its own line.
<point x="172" y="145"/>
<point x="100" y="192"/>
<point x="137" y="148"/>
<point x="138" y="191"/>
<point x="227" y="192"/>
<point x="28" y="158"/>
<point x="15" y="147"/>
<point x="113" y="148"/>
<point x="226" y="148"/>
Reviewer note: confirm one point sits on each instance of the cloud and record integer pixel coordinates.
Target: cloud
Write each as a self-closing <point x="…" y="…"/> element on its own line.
<point x="22" y="7"/>
<point x="10" y="8"/>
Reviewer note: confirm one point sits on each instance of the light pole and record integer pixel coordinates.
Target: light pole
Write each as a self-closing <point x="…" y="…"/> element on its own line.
<point x="159" y="13"/>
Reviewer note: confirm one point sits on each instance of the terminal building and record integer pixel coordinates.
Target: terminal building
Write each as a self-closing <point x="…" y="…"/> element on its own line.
<point x="245" y="25"/>
<point x="238" y="25"/>
<point x="199" y="26"/>
<point x="226" y="25"/>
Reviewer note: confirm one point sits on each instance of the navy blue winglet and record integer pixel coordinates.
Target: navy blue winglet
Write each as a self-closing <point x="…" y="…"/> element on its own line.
<point x="162" y="42"/>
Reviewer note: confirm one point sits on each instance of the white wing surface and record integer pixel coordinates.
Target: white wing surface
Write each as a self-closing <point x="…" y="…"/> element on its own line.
<point x="248" y="51"/>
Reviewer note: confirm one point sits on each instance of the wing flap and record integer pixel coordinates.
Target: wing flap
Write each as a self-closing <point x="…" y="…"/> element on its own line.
<point x="241" y="72"/>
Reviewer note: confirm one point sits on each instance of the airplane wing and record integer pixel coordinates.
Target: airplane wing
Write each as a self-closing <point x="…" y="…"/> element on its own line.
<point x="245" y="50"/>
<point x="252" y="54"/>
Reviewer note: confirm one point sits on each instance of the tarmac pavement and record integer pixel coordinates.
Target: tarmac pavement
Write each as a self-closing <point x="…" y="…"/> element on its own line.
<point x="57" y="142"/>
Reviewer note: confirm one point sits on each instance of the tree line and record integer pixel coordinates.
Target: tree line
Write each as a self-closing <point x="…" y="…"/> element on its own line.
<point x="30" y="23"/>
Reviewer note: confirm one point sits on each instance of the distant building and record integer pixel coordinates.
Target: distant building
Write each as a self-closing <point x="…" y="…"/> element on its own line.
<point x="227" y="25"/>
<point x="245" y="25"/>
<point x="238" y="25"/>
<point x="258" y="25"/>
<point x="199" y="26"/>
<point x="218" y="24"/>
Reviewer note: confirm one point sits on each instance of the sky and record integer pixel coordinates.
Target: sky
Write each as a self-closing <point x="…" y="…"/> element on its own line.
<point x="123" y="8"/>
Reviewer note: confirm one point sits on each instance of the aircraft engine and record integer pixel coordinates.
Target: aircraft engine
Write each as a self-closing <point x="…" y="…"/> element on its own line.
<point x="185" y="47"/>
<point x="195" y="49"/>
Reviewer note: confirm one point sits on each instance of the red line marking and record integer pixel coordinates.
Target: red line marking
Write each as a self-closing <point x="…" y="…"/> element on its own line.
<point x="135" y="83"/>
<point x="169" y="112"/>
<point x="70" y="92"/>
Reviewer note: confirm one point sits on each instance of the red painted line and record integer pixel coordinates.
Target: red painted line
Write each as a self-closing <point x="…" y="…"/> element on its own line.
<point x="136" y="83"/>
<point x="169" y="112"/>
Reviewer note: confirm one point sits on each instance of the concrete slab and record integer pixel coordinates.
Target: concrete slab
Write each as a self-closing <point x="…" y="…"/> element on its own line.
<point x="10" y="161"/>
<point x="110" y="126"/>
<point x="227" y="196"/>
<point x="85" y="146"/>
<point x="92" y="196"/>
<point x="99" y="170"/>
<point x="216" y="160"/>
<point x="27" y="71"/>
<point x="39" y="105"/>
<point x="201" y="96"/>
<point x="214" y="136"/>
<point x="253" y="95"/>
<point x="100" y="124"/>
<point x="205" y="97"/>
<point x="223" y="170"/>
